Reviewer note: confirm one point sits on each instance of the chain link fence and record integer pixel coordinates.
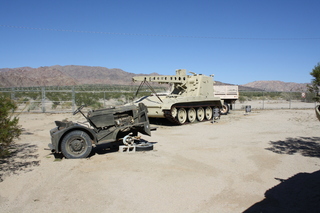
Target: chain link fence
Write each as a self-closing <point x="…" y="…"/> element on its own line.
<point x="275" y="100"/>
<point x="68" y="98"/>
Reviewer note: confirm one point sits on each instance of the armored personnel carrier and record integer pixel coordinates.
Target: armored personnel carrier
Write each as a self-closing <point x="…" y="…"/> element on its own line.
<point x="191" y="98"/>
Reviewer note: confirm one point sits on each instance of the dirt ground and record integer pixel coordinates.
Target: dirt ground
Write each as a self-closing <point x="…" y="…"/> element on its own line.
<point x="263" y="161"/>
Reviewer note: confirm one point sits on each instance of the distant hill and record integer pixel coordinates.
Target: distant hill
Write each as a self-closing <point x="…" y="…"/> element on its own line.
<point x="278" y="86"/>
<point x="63" y="76"/>
<point x="241" y="87"/>
<point x="78" y="75"/>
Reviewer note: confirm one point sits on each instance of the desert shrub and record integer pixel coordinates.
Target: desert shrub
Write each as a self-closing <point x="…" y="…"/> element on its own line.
<point x="66" y="105"/>
<point x="242" y="99"/>
<point x="315" y="83"/>
<point x="96" y="105"/>
<point x="29" y="95"/>
<point x="9" y="128"/>
<point x="265" y="95"/>
<point x="251" y="95"/>
<point x="58" y="97"/>
<point x="309" y="97"/>
<point x="88" y="99"/>
<point x="33" y="106"/>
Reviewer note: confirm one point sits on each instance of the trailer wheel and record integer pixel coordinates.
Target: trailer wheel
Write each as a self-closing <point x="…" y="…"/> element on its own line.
<point x="76" y="144"/>
<point x="144" y="146"/>
<point x="225" y="109"/>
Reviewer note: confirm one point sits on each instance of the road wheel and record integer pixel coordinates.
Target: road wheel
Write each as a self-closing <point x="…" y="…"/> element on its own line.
<point x="144" y="146"/>
<point x="208" y="113"/>
<point x="182" y="115"/>
<point x="200" y="114"/>
<point x="174" y="112"/>
<point x="225" y="109"/>
<point x="192" y="115"/>
<point x="76" y="144"/>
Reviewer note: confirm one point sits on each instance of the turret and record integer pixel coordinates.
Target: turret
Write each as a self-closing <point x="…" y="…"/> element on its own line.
<point x="183" y="84"/>
<point x="179" y="78"/>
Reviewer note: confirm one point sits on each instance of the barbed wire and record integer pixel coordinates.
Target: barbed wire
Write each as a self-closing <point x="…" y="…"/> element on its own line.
<point x="158" y="35"/>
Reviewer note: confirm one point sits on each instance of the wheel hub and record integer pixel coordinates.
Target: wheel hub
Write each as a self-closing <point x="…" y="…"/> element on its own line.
<point x="76" y="145"/>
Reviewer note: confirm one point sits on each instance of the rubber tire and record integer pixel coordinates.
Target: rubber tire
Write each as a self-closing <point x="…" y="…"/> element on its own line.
<point x="225" y="109"/>
<point x="144" y="146"/>
<point x="76" y="135"/>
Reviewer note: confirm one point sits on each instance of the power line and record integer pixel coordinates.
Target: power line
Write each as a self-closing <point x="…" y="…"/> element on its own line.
<point x="156" y="35"/>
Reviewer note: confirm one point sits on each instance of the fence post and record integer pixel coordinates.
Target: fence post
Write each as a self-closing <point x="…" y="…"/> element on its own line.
<point x="290" y="97"/>
<point x="290" y="103"/>
<point x="43" y="94"/>
<point x="73" y="99"/>
<point x="12" y="93"/>
<point x="263" y="99"/>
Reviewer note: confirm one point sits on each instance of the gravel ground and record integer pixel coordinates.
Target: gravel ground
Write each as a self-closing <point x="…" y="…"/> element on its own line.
<point x="263" y="161"/>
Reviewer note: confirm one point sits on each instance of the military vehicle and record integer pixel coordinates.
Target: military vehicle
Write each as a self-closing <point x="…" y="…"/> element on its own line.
<point x="191" y="98"/>
<point x="110" y="125"/>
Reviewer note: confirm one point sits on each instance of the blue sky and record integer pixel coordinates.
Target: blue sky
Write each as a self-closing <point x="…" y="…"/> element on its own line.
<point x="239" y="41"/>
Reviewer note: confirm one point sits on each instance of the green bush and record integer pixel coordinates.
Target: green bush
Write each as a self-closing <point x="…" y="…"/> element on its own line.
<point x="315" y="83"/>
<point x="9" y="128"/>
<point x="242" y="99"/>
<point x="86" y="98"/>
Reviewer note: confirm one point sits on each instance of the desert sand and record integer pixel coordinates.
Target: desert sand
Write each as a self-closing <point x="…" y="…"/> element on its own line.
<point x="262" y="161"/>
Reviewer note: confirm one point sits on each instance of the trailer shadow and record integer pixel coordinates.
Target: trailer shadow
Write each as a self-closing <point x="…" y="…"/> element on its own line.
<point x="22" y="158"/>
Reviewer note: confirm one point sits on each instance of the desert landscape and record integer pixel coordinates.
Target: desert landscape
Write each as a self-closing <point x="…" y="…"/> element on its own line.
<point x="262" y="161"/>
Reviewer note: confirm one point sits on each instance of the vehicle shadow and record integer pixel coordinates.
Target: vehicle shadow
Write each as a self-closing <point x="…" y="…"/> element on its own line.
<point x="161" y="121"/>
<point x="165" y="122"/>
<point x="21" y="159"/>
<point x="104" y="149"/>
<point x="299" y="193"/>
<point x="112" y="147"/>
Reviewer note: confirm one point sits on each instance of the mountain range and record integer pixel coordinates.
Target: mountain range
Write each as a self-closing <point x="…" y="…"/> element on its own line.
<point x="78" y="75"/>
